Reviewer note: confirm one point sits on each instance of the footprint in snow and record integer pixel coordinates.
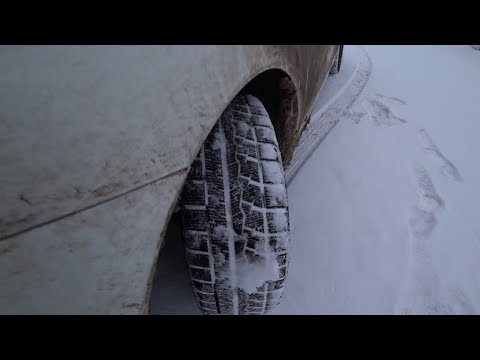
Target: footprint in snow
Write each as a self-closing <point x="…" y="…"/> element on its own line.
<point x="420" y="294"/>
<point x="447" y="168"/>
<point x="378" y="109"/>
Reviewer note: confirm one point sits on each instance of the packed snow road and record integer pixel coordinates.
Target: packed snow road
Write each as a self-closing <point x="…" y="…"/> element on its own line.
<point x="384" y="215"/>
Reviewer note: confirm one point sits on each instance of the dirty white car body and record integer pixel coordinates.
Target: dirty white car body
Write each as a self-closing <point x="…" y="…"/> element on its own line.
<point x="95" y="144"/>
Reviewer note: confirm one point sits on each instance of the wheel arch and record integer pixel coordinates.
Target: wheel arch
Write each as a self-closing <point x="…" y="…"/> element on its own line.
<point x="277" y="91"/>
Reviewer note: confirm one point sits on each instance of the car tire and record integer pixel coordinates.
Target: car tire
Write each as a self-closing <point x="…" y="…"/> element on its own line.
<point x="337" y="63"/>
<point x="235" y="214"/>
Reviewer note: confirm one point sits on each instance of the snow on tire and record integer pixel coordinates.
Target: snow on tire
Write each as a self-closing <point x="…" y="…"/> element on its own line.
<point x="235" y="214"/>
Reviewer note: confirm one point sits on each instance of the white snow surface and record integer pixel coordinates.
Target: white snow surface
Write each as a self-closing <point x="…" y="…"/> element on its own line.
<point x="383" y="214"/>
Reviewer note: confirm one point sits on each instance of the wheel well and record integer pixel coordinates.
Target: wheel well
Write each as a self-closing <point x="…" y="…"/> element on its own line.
<point x="275" y="89"/>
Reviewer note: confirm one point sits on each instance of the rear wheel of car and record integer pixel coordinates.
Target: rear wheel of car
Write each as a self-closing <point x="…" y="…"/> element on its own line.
<point x="235" y="214"/>
<point x="337" y="63"/>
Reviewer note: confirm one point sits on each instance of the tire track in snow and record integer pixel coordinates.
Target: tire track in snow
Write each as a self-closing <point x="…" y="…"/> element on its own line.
<point x="323" y="120"/>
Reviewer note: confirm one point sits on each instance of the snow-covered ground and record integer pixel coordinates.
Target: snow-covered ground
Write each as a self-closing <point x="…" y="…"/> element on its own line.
<point x="384" y="216"/>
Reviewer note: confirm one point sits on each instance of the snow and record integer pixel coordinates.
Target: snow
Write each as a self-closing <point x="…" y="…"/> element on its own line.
<point x="383" y="212"/>
<point x="248" y="275"/>
<point x="217" y="141"/>
<point x="268" y="151"/>
<point x="228" y="218"/>
<point x="276" y="195"/>
<point x="252" y="275"/>
<point x="171" y="290"/>
<point x="336" y="97"/>
<point x="253" y="101"/>
<point x="272" y="170"/>
<point x="381" y="220"/>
